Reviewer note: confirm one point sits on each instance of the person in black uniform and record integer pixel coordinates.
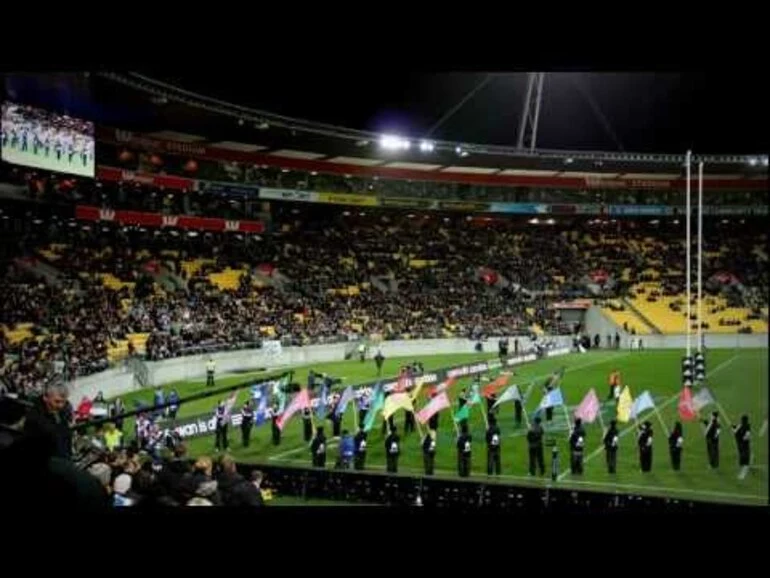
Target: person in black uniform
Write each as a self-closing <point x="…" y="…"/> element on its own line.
<point x="462" y="400"/>
<point x="318" y="449"/>
<point x="712" y="439"/>
<point x="675" y="443"/>
<point x="429" y="452"/>
<point x="307" y="424"/>
<point x="392" y="451"/>
<point x="576" y="445"/>
<point x="743" y="439"/>
<point x="408" y="422"/>
<point x="247" y="422"/>
<point x="336" y="421"/>
<point x="359" y="445"/>
<point x="220" y="415"/>
<point x="274" y="425"/>
<point x="610" y="441"/>
<point x="311" y="380"/>
<point x="363" y="408"/>
<point x="517" y="408"/>
<point x="644" y="441"/>
<point x="491" y="401"/>
<point x="379" y="359"/>
<point x="493" y="447"/>
<point x="535" y="443"/>
<point x="464" y="452"/>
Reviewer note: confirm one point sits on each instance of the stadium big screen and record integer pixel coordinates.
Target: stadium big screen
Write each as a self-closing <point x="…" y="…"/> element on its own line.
<point x="44" y="140"/>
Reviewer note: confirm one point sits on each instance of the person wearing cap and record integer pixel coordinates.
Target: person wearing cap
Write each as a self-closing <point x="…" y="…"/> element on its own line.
<point x="712" y="440"/>
<point x="644" y="442"/>
<point x="535" y="443"/>
<point x="493" y="446"/>
<point x="743" y="439"/>
<point x="610" y="441"/>
<point x="429" y="452"/>
<point x="675" y="443"/>
<point x="576" y="445"/>
<point x="359" y="446"/>
<point x="318" y="449"/>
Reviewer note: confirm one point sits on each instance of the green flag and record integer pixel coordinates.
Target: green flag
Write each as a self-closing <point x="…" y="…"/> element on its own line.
<point x="377" y="404"/>
<point x="462" y="413"/>
<point x="475" y="398"/>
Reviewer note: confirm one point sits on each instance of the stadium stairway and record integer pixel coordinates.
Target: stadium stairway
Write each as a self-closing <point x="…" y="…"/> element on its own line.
<point x="648" y="325"/>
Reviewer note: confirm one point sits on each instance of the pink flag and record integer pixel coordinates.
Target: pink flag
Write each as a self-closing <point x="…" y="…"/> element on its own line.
<point x="434" y="406"/>
<point x="300" y="401"/>
<point x="588" y="408"/>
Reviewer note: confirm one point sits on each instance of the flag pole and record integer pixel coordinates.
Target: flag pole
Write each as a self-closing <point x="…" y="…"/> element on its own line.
<point x="566" y="415"/>
<point x="601" y="421"/>
<point x="355" y="413"/>
<point x="484" y="414"/>
<point x="662" y="424"/>
<point x="700" y="255"/>
<point x="688" y="242"/>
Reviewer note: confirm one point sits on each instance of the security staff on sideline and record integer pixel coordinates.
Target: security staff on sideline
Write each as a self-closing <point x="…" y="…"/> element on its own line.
<point x="429" y="452"/>
<point x="493" y="447"/>
<point x="712" y="439"/>
<point x="610" y="440"/>
<point x="675" y="443"/>
<point x="210" y="367"/>
<point x="392" y="451"/>
<point x="535" y="443"/>
<point x="247" y="422"/>
<point x="464" y="452"/>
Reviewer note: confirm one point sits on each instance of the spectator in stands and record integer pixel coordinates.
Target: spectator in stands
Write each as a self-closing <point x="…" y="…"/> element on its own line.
<point x="50" y="418"/>
<point x="235" y="489"/>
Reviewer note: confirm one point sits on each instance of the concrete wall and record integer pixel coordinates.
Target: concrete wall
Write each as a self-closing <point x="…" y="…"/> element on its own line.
<point x="120" y="380"/>
<point x="597" y="322"/>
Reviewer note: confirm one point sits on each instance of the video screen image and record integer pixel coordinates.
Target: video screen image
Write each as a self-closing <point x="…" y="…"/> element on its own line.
<point x="36" y="138"/>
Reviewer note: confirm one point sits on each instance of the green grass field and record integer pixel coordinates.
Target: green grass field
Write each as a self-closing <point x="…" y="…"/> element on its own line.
<point x="737" y="378"/>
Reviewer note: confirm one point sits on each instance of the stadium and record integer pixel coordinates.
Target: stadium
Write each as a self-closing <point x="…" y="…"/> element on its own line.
<point x="209" y="303"/>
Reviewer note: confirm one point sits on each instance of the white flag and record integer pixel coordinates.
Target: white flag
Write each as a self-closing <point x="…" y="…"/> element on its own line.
<point x="644" y="401"/>
<point x="512" y="393"/>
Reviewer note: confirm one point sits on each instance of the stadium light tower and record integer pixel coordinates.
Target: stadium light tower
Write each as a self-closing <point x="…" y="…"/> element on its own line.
<point x="530" y="113"/>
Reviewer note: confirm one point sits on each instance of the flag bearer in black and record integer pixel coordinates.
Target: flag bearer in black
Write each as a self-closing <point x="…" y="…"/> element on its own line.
<point x="517" y="411"/>
<point x="274" y="425"/>
<point x="336" y="422"/>
<point x="247" y="422"/>
<point x="493" y="447"/>
<point x="464" y="452"/>
<point x="576" y="445"/>
<point x="359" y="448"/>
<point x="379" y="359"/>
<point x="462" y="399"/>
<point x="363" y="408"/>
<point x="429" y="452"/>
<point x="408" y="422"/>
<point x="392" y="451"/>
<point x="307" y="424"/>
<point x="318" y="449"/>
<point x="535" y="443"/>
<point x="712" y="439"/>
<point x="743" y="439"/>
<point x="610" y="440"/>
<point x="675" y="443"/>
<point x="491" y="401"/>
<point x="220" y="415"/>
<point x="433" y="421"/>
<point x="644" y="441"/>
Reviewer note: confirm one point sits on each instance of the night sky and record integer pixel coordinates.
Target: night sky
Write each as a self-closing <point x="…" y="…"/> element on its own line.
<point x="723" y="112"/>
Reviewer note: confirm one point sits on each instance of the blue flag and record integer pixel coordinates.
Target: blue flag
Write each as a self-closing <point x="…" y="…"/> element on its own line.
<point x="551" y="399"/>
<point x="347" y="397"/>
<point x="262" y="407"/>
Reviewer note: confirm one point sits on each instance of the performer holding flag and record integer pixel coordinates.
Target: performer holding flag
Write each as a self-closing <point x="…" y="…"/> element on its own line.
<point x="611" y="446"/>
<point x="743" y="439"/>
<point x="675" y="443"/>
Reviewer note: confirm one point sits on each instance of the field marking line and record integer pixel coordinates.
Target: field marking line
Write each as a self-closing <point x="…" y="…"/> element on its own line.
<point x="330" y="445"/>
<point x="545" y="483"/>
<point x="763" y="429"/>
<point x="599" y="450"/>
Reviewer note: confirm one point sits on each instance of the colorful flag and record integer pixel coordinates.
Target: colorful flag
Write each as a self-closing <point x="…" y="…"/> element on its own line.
<point x="322" y="398"/>
<point x="300" y="401"/>
<point x="493" y="386"/>
<point x="230" y="403"/>
<point x="644" y="401"/>
<point x="686" y="410"/>
<point x="551" y="399"/>
<point x="445" y="385"/>
<point x="378" y="400"/>
<point x="702" y="399"/>
<point x="475" y="397"/>
<point x="625" y="401"/>
<point x="462" y="413"/>
<point x="435" y="405"/>
<point x="347" y="396"/>
<point x="262" y="407"/>
<point x="395" y="402"/>
<point x="588" y="409"/>
<point x="512" y="393"/>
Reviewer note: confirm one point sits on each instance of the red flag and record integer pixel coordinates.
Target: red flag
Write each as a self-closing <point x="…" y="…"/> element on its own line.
<point x="500" y="381"/>
<point x="443" y="386"/>
<point x="686" y="410"/>
<point x="435" y="405"/>
<point x="300" y="401"/>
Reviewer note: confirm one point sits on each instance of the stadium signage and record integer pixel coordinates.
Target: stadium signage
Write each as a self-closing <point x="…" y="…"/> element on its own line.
<point x="161" y="181"/>
<point x="153" y="144"/>
<point x="226" y="189"/>
<point x="346" y="199"/>
<point x="156" y="220"/>
<point x="287" y="195"/>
